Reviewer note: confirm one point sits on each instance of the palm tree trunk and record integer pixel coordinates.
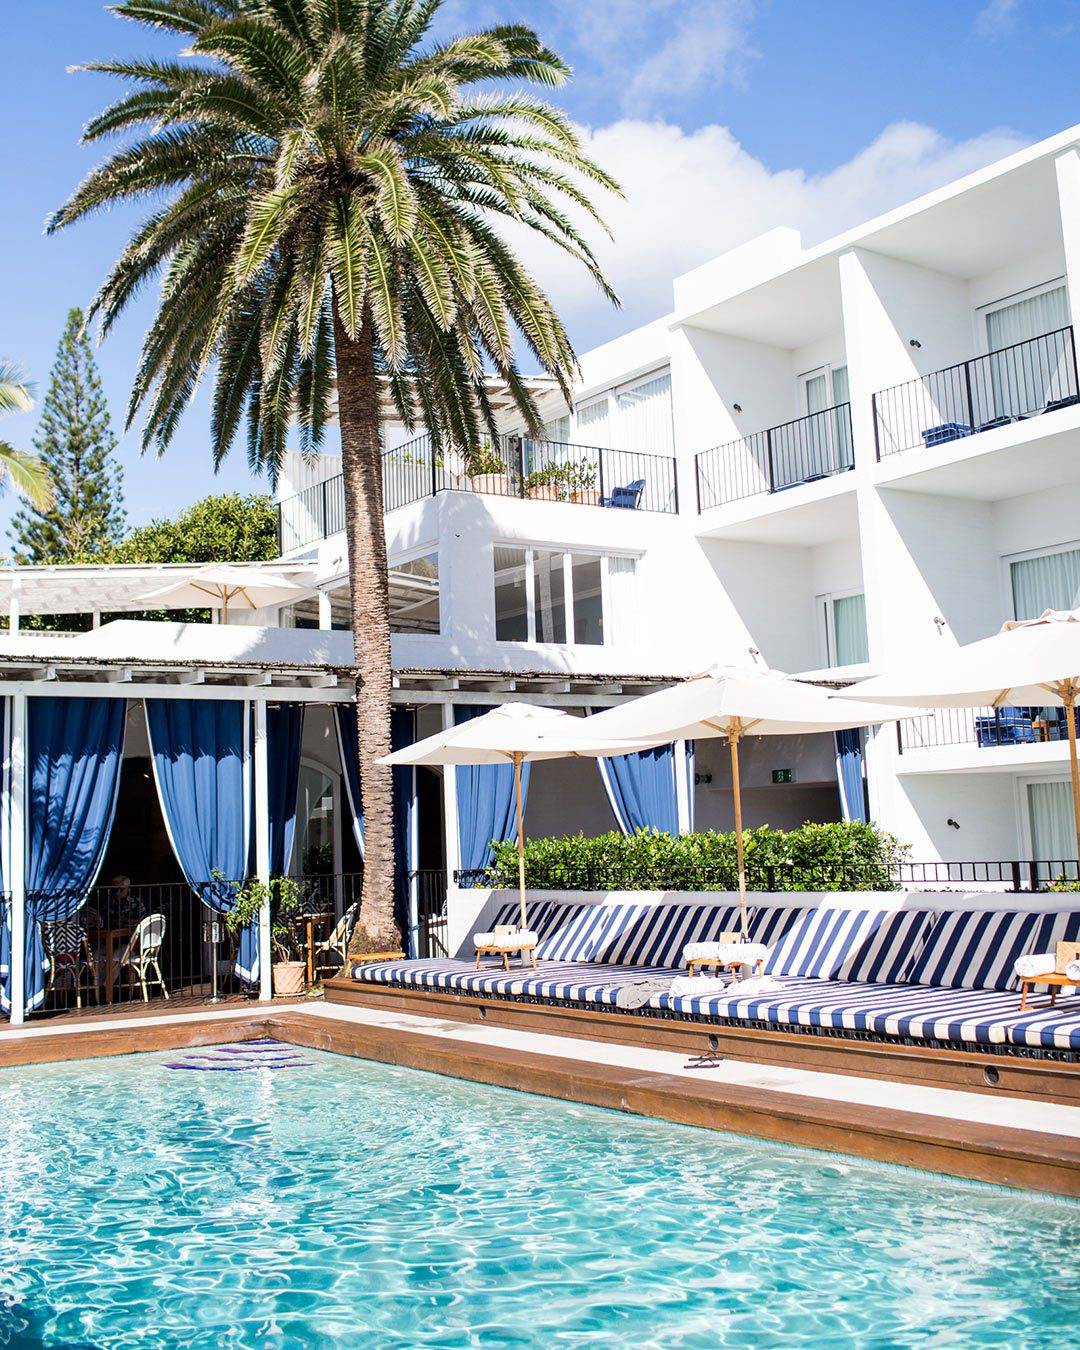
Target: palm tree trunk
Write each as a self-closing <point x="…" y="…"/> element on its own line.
<point x="361" y="469"/>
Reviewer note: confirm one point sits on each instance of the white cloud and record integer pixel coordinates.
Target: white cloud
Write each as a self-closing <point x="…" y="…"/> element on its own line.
<point x="996" y="17"/>
<point x="692" y="195"/>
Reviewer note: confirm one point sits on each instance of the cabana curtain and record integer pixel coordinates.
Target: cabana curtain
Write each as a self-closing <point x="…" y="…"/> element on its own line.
<point x="641" y="789"/>
<point x="485" y="795"/>
<point x="202" y="767"/>
<point x="849" y="773"/>
<point x="284" y="730"/>
<point x="75" y="747"/>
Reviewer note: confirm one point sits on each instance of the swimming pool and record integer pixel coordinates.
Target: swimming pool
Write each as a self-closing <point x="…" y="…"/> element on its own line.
<point x="323" y="1200"/>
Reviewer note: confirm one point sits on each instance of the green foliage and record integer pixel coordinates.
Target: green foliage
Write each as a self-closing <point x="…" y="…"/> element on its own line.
<point x="321" y="169"/>
<point x="844" y="855"/>
<point x="74" y="441"/>
<point x="483" y="459"/>
<point x="285" y="907"/>
<point x="1065" y="884"/>
<point x="570" y="478"/>
<point x="26" y="472"/>
<point x="224" y="528"/>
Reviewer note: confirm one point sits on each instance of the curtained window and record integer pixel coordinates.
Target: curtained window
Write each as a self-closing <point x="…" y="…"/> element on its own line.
<point x="644" y="413"/>
<point x="1023" y="380"/>
<point x="1051" y="581"/>
<point x="1053" y="831"/>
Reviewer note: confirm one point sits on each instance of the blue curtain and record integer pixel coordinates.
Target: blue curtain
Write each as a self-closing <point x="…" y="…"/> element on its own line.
<point x="75" y="747"/>
<point x="199" y="749"/>
<point x="485" y="795"/>
<point x="641" y="789"/>
<point x="849" y="773"/>
<point x="402" y="733"/>
<point x="284" y="729"/>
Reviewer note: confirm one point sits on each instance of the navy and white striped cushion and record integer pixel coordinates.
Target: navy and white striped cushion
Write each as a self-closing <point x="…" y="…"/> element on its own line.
<point x="887" y="952"/>
<point x="977" y="949"/>
<point x="655" y="935"/>
<point x="770" y="925"/>
<point x="820" y="940"/>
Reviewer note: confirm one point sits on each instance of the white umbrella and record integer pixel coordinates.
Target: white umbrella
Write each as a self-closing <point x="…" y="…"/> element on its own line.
<point x="514" y="733"/>
<point x="1030" y="662"/>
<point x="733" y="702"/>
<point x="221" y="585"/>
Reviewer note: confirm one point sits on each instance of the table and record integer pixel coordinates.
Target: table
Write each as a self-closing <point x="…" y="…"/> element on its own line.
<point x="109" y="938"/>
<point x="1056" y="980"/>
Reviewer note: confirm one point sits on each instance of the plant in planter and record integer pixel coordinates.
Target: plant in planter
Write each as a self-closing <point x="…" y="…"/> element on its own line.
<point x="487" y="471"/>
<point x="546" y="484"/>
<point x="285" y="906"/>
<point x="580" y="481"/>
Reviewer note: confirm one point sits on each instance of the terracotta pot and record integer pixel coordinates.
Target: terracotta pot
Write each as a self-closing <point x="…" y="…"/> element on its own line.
<point x="289" y="977"/>
<point x="543" y="492"/>
<point x="586" y="497"/>
<point x="498" y="484"/>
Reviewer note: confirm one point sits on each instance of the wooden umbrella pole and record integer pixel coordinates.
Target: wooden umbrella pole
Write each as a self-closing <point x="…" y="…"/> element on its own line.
<point x="1068" y="697"/>
<point x="520" y="836"/>
<point x="733" y="745"/>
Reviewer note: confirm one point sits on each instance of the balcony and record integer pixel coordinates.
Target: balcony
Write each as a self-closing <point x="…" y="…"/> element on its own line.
<point x="1008" y="385"/>
<point x="982" y="728"/>
<point x="513" y="467"/>
<point x="804" y="451"/>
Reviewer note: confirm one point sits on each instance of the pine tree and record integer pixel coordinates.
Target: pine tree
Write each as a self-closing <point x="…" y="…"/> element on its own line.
<point x="74" y="438"/>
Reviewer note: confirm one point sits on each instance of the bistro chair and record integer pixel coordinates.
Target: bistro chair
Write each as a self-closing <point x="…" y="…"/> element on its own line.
<point x="141" y="955"/>
<point x="332" y="949"/>
<point x="71" y="957"/>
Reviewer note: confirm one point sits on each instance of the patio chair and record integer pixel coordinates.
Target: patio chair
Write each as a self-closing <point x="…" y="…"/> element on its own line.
<point x="334" y="947"/>
<point x="628" y="497"/>
<point x="70" y="956"/>
<point x="141" y="955"/>
<point x="1011" y="726"/>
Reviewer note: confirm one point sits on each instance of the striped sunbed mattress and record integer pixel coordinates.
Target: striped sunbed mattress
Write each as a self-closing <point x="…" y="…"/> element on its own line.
<point x="919" y="1012"/>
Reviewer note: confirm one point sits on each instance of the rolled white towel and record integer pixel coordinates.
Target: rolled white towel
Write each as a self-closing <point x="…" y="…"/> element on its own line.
<point x="725" y="952"/>
<point x="510" y="942"/>
<point x="696" y="986"/>
<point x="1035" y="964"/>
<point x="754" y="985"/>
<point x="1072" y="971"/>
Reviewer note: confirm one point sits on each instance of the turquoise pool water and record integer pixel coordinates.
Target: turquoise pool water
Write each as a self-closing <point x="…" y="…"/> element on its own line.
<point x="328" y="1201"/>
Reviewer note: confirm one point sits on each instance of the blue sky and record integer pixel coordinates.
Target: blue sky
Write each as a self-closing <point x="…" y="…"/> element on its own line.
<point x="722" y="118"/>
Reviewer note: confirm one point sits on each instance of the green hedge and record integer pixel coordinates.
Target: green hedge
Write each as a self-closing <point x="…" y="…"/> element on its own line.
<point x="847" y="855"/>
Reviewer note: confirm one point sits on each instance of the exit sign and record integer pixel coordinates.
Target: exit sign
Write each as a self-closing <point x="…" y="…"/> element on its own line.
<point x="783" y="775"/>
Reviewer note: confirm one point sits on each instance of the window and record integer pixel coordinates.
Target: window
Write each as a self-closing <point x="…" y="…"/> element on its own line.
<point x="313" y="854"/>
<point x="1024" y="381"/>
<point x="594" y="423"/>
<point x="826" y="444"/>
<point x="414" y="595"/>
<point x="511" y="595"/>
<point x="631" y="417"/>
<point x="1048" y="581"/>
<point x="844" y="629"/>
<point x="545" y="596"/>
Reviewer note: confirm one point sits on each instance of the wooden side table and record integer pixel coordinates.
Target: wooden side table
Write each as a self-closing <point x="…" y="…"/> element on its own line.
<point x="1056" y="980"/>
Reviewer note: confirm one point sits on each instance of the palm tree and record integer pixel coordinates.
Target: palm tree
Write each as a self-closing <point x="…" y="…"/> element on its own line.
<point x="327" y="184"/>
<point x="27" y="473"/>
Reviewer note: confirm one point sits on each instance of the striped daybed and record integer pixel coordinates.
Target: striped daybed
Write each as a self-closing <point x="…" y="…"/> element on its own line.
<point x="911" y="974"/>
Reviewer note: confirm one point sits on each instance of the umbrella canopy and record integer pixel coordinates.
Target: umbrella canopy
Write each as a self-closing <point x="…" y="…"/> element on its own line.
<point x="1030" y="662"/>
<point x="512" y="734"/>
<point x="734" y="702"/>
<point x="224" y="586"/>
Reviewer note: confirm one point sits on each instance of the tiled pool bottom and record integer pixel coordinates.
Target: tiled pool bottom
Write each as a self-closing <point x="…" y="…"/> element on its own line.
<point x="348" y="1203"/>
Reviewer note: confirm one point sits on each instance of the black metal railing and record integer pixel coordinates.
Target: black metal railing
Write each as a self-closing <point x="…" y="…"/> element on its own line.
<point x="802" y="451"/>
<point x="1019" y="875"/>
<point x="982" y="727"/>
<point x="1006" y="385"/>
<point x="511" y="467"/>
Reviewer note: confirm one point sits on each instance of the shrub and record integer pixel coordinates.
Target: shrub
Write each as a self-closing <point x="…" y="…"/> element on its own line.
<point x="845" y="855"/>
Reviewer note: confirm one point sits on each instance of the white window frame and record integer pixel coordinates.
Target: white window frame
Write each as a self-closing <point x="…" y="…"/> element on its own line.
<point x="826" y="633"/>
<point x="979" y="315"/>
<point x="307" y="762"/>
<point x="1023" y="814"/>
<point x="569" y="552"/>
<point x="1007" y="560"/>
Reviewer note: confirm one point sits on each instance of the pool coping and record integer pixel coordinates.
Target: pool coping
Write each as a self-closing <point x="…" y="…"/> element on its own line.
<point x="1026" y="1159"/>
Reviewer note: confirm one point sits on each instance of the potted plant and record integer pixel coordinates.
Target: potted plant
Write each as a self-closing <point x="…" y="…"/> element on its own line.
<point x="545" y="485"/>
<point x="487" y="471"/>
<point x="285" y="904"/>
<point x="580" y="480"/>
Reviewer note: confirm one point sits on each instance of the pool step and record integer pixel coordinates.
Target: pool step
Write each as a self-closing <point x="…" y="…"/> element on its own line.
<point x="243" y="1056"/>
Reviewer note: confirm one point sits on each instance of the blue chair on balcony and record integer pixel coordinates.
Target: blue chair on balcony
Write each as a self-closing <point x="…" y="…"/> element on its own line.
<point x="947" y="431"/>
<point x="1011" y="726"/>
<point x="628" y="497"/>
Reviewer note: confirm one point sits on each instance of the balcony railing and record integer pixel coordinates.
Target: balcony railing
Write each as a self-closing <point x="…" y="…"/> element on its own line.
<point x="983" y="728"/>
<point x="812" y="447"/>
<point x="514" y="467"/>
<point x="990" y="391"/>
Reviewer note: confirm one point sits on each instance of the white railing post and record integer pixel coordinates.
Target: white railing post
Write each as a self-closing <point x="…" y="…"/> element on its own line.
<point x="262" y="843"/>
<point x="17" y="853"/>
<point x="682" y="788"/>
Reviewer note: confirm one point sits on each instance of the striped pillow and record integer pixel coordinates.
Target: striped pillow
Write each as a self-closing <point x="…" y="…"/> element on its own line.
<point x="657" y="934"/>
<point x="977" y="949"/>
<point x="820" y="941"/>
<point x="885" y="954"/>
<point x="770" y="925"/>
